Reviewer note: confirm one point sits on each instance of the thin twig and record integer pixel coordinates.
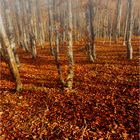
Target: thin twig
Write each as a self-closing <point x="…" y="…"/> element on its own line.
<point x="84" y="129"/>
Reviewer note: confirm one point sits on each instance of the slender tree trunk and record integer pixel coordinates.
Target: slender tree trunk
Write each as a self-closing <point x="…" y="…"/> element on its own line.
<point x="33" y="45"/>
<point x="24" y="30"/>
<point x="129" y="30"/>
<point x="126" y="23"/>
<point x="57" y="41"/>
<point x="57" y="57"/>
<point x="93" y="46"/>
<point x="90" y="57"/>
<point x="91" y="34"/>
<point x="70" y="48"/>
<point x="10" y="28"/>
<point x="116" y="31"/>
<point x="30" y="28"/>
<point x="12" y="62"/>
<point x="50" y="29"/>
<point x="39" y="24"/>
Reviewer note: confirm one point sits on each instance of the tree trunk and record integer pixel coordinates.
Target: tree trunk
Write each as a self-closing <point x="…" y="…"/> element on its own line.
<point x="117" y="21"/>
<point x="57" y="41"/>
<point x="129" y="30"/>
<point x="10" y="29"/>
<point x="126" y="22"/>
<point x="90" y="30"/>
<point x="50" y="29"/>
<point x="24" y="30"/>
<point x="30" y="29"/>
<point x="33" y="46"/>
<point x="59" y="69"/>
<point x="70" y="48"/>
<point x="12" y="62"/>
<point x="40" y="33"/>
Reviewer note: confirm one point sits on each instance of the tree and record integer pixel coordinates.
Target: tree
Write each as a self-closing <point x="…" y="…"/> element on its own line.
<point x="30" y="29"/>
<point x="70" y="47"/>
<point x="90" y="32"/>
<point x="12" y="62"/>
<point x="50" y="18"/>
<point x="129" y="30"/>
<point x="10" y="29"/>
<point x="56" y="22"/>
<point x="116" y="31"/>
<point x="24" y="27"/>
<point x="40" y="33"/>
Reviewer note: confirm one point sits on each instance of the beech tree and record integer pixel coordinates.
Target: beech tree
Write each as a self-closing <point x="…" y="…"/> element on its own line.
<point x="116" y="30"/>
<point x="70" y="47"/>
<point x="31" y="32"/>
<point x="10" y="29"/>
<point x="50" y="18"/>
<point x="57" y="39"/>
<point x="11" y="59"/>
<point x="90" y="32"/>
<point x="129" y="29"/>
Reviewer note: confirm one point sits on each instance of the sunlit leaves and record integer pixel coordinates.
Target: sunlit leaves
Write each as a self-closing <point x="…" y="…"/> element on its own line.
<point x="103" y="103"/>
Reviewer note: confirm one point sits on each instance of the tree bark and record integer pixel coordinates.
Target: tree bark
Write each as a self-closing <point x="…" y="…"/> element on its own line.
<point x="126" y="22"/>
<point x="30" y="29"/>
<point x="57" y="57"/>
<point x="10" y="30"/>
<point x="90" y="31"/>
<point x="129" y="30"/>
<point x="70" y="48"/>
<point x="117" y="21"/>
<point x="56" y="29"/>
<point x="12" y="62"/>
<point x="50" y="29"/>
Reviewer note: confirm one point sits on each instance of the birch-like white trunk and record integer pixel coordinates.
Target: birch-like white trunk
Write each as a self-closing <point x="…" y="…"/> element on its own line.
<point x="70" y="48"/>
<point x="116" y="32"/>
<point x="129" y="30"/>
<point x="12" y="63"/>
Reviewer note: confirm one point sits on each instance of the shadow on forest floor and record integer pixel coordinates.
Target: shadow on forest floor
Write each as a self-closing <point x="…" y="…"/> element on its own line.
<point x="104" y="99"/>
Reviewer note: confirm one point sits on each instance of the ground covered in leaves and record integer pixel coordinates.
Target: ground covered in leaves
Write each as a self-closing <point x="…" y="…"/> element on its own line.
<point x="103" y="104"/>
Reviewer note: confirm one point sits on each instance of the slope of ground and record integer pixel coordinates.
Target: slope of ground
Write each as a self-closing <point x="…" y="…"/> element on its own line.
<point x="103" y="104"/>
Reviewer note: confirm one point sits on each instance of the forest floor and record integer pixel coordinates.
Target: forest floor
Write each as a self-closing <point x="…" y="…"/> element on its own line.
<point x="103" y="104"/>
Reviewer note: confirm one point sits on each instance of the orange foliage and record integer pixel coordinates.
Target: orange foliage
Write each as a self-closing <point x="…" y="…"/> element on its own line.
<point x="102" y="105"/>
